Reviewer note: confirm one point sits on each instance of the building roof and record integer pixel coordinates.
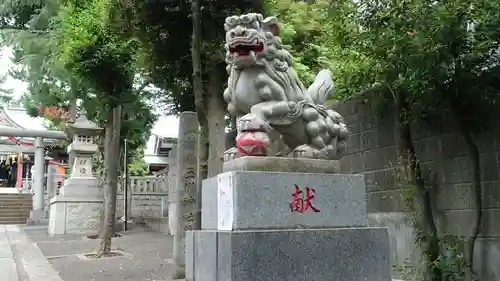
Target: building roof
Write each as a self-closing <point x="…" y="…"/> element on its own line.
<point x="14" y="116"/>
<point x="164" y="127"/>
<point x="155" y="160"/>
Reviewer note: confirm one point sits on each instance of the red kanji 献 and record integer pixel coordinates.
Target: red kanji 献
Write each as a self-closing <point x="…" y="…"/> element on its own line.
<point x="300" y="204"/>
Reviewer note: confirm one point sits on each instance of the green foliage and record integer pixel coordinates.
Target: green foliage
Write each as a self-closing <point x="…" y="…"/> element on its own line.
<point x="310" y="31"/>
<point x="164" y="29"/>
<point x="81" y="24"/>
<point x="302" y="30"/>
<point x="441" y="55"/>
<point x="95" y="53"/>
<point x="68" y="50"/>
<point x="450" y="263"/>
<point x="138" y="168"/>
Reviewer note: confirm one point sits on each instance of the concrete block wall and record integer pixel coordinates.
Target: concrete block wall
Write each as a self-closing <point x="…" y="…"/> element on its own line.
<point x="372" y="151"/>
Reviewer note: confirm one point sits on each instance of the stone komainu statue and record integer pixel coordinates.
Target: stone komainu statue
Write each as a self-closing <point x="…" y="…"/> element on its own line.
<point x="276" y="115"/>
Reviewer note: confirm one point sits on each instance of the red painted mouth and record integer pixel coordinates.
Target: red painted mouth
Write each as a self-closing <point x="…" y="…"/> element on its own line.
<point x="244" y="49"/>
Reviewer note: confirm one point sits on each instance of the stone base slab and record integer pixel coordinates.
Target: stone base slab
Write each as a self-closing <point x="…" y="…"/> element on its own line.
<point x="261" y="200"/>
<point x="38" y="217"/>
<point x="75" y="215"/>
<point x="282" y="164"/>
<point x="354" y="254"/>
<point x="81" y="186"/>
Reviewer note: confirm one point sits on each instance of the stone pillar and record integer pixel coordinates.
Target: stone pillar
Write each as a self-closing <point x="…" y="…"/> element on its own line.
<point x="264" y="209"/>
<point x="78" y="207"/>
<point x="172" y="180"/>
<point x="186" y="187"/>
<point x="164" y="199"/>
<point x="51" y="186"/>
<point x="38" y="212"/>
<point x="130" y="196"/>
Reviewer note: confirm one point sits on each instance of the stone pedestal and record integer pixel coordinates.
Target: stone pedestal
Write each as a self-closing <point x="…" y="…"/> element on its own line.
<point x="356" y="254"/>
<point x="75" y="215"/>
<point x="79" y="206"/>
<point x="271" y="226"/>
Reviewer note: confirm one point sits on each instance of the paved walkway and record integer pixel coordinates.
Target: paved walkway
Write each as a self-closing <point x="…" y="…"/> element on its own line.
<point x="28" y="253"/>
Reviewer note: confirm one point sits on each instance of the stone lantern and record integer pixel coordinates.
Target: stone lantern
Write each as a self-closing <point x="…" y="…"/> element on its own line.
<point x="78" y="207"/>
<point x="83" y="146"/>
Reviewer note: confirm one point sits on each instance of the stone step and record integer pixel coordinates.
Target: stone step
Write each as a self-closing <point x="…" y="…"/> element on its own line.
<point x="13" y="220"/>
<point x="16" y="221"/>
<point x="14" y="194"/>
<point x="12" y="213"/>
<point x="10" y="199"/>
<point x="18" y="196"/>
<point x="5" y="205"/>
<point x="14" y="217"/>
<point x="15" y="206"/>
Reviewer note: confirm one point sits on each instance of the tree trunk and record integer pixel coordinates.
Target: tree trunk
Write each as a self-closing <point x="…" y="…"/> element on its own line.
<point x="72" y="116"/>
<point x="216" y="123"/>
<point x="473" y="152"/>
<point x="199" y="102"/>
<point x="111" y="162"/>
<point x="424" y="217"/>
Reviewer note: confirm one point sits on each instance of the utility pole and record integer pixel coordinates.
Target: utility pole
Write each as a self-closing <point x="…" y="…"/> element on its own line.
<point x="125" y="186"/>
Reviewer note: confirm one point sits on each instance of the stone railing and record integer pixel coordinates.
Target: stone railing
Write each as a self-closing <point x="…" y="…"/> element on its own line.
<point x="145" y="185"/>
<point x="147" y="197"/>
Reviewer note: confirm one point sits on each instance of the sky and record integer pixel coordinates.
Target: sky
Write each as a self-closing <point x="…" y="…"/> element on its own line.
<point x="18" y="86"/>
<point x="166" y="126"/>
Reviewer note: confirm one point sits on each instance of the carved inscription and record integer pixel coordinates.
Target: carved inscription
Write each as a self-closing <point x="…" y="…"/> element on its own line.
<point x="303" y="202"/>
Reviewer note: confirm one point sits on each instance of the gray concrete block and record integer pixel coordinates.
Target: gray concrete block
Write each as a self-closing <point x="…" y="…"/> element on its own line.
<point x="452" y="145"/>
<point x="189" y="256"/>
<point x="385" y="130"/>
<point x="421" y="130"/>
<point x="386" y="201"/>
<point x="367" y="121"/>
<point x="457" y="170"/>
<point x="262" y="201"/>
<point x="282" y="164"/>
<point x="490" y="168"/>
<point x="369" y="139"/>
<point x="354" y="254"/>
<point x="353" y="143"/>
<point x="453" y="222"/>
<point x="352" y="123"/>
<point x="428" y="149"/>
<point x="208" y="211"/>
<point x="381" y="180"/>
<point x="201" y="255"/>
<point x="380" y="158"/>
<point x="352" y="163"/>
